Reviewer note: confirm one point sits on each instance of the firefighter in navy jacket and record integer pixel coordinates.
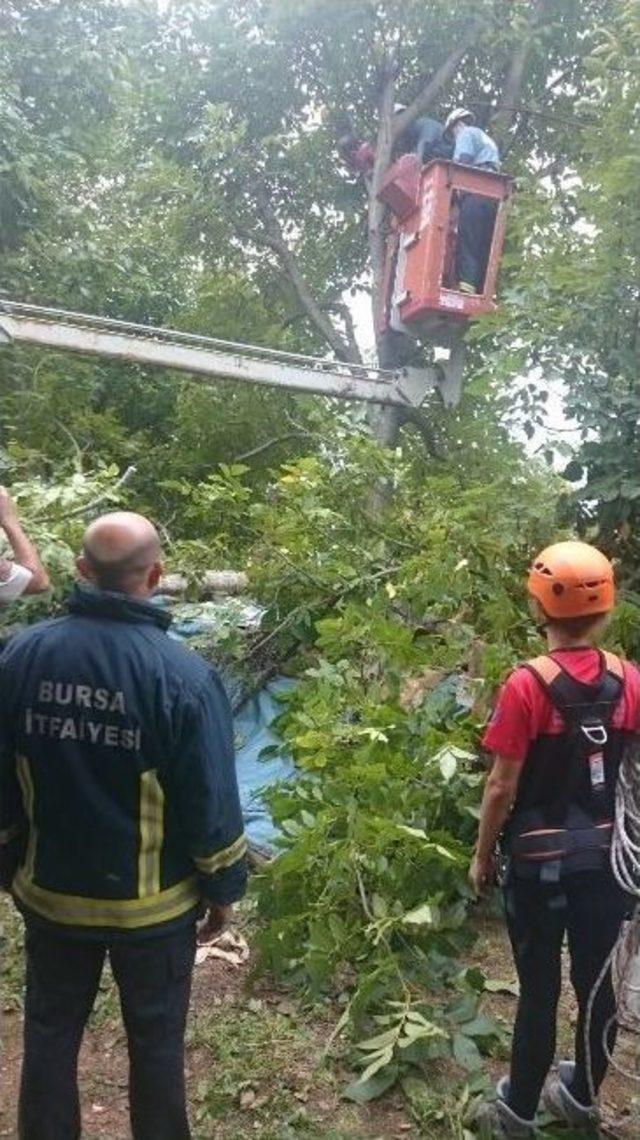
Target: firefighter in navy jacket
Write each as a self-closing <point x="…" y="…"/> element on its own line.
<point x="119" y="821"/>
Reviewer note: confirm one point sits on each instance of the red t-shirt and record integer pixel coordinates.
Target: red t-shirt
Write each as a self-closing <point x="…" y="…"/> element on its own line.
<point x="523" y="710"/>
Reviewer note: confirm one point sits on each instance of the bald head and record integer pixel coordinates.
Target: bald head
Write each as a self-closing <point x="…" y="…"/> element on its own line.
<point x="121" y="551"/>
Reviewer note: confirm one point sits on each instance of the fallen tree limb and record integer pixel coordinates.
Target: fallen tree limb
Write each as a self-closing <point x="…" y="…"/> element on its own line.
<point x="211" y="582"/>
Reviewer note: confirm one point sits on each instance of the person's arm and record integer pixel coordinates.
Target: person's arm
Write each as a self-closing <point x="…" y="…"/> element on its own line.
<point x="513" y="725"/>
<point x="499" y="795"/>
<point x="24" y="552"/>
<point x="208" y="800"/>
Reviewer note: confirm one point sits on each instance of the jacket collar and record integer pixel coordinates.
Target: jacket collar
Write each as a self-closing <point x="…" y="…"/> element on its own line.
<point x="90" y="602"/>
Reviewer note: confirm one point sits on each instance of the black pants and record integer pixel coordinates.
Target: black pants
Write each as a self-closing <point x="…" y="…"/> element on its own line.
<point x="154" y="981"/>
<point x="475" y="231"/>
<point x="589" y="907"/>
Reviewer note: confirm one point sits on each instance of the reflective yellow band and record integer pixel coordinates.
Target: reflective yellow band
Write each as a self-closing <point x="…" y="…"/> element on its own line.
<point x="209" y="864"/>
<point x="10" y="833"/>
<point x="124" y="914"/>
<point x="23" y="773"/>
<point x="151" y="834"/>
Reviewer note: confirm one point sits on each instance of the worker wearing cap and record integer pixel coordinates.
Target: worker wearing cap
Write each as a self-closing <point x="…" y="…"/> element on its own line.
<point x="558" y="733"/>
<point x="473" y="147"/>
<point x="120" y="823"/>
<point x="23" y="572"/>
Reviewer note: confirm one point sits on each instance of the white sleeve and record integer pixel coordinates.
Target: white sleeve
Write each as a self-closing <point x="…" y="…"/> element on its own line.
<point x="15" y="584"/>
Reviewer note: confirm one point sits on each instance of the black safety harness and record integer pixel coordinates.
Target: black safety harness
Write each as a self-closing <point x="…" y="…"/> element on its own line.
<point x="570" y="830"/>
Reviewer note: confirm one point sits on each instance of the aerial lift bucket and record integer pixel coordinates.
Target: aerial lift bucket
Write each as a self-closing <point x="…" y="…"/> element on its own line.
<point x="420" y="297"/>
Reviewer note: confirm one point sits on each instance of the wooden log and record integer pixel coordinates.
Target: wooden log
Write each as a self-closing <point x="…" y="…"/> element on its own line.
<point x="213" y="583"/>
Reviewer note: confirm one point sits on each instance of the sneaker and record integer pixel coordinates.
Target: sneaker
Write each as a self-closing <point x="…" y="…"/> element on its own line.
<point x="466" y="287"/>
<point x="496" y="1119"/>
<point x="563" y="1106"/>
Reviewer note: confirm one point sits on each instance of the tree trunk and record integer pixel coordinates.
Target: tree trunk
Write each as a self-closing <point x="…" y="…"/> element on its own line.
<point x="392" y="354"/>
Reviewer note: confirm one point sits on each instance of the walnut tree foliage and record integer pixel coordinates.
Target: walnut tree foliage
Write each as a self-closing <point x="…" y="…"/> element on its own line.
<point x="398" y="624"/>
<point x="177" y="165"/>
<point x="573" y="311"/>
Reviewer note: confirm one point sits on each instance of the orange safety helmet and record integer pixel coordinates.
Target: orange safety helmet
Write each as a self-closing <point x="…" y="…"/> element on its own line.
<point x="572" y="579"/>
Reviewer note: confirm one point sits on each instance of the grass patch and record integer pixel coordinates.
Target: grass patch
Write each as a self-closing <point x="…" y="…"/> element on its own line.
<point x="257" y="1066"/>
<point x="262" y="1065"/>
<point x="106" y="1010"/>
<point x="12" y="968"/>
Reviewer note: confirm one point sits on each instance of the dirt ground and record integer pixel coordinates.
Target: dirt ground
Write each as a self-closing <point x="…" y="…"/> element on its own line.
<point x="620" y="1097"/>
<point x="256" y="1064"/>
<point x="248" y="1074"/>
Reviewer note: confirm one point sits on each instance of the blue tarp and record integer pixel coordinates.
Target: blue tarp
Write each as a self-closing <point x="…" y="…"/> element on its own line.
<point x="207" y="622"/>
<point x="253" y="734"/>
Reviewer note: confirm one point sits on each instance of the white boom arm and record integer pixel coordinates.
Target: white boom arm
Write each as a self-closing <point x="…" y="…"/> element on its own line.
<point x="209" y="358"/>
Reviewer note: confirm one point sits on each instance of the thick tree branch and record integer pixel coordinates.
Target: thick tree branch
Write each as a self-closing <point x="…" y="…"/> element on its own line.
<point x="273" y="237"/>
<point x="384" y="148"/>
<point x="505" y="114"/>
<point x="347" y="319"/>
<point x="439" y="79"/>
<point x="349" y="329"/>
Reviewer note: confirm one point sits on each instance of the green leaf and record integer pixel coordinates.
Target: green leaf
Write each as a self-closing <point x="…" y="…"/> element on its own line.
<point x="379" y="906"/>
<point x="466" y="1053"/>
<point x="414" y="832"/>
<point x="464" y="1009"/>
<point x="414" y="1032"/>
<point x="574" y="471"/>
<point x="415" y="1015"/>
<point x="361" y="1092"/>
<point x="383" y="1058"/>
<point x="480" y="1026"/>
<point x="448" y="764"/>
<point x="476" y="979"/>
<point x="423" y="915"/>
<point x="382" y="1040"/>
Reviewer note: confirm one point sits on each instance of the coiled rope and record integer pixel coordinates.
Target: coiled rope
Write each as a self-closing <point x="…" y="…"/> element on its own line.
<point x="623" y="963"/>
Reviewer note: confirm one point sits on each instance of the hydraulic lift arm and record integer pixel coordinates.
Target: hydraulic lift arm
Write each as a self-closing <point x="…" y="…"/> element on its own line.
<point x="209" y="358"/>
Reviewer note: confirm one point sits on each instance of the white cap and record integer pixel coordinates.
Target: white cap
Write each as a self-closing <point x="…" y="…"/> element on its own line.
<point x="458" y="116"/>
<point x="399" y="107"/>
